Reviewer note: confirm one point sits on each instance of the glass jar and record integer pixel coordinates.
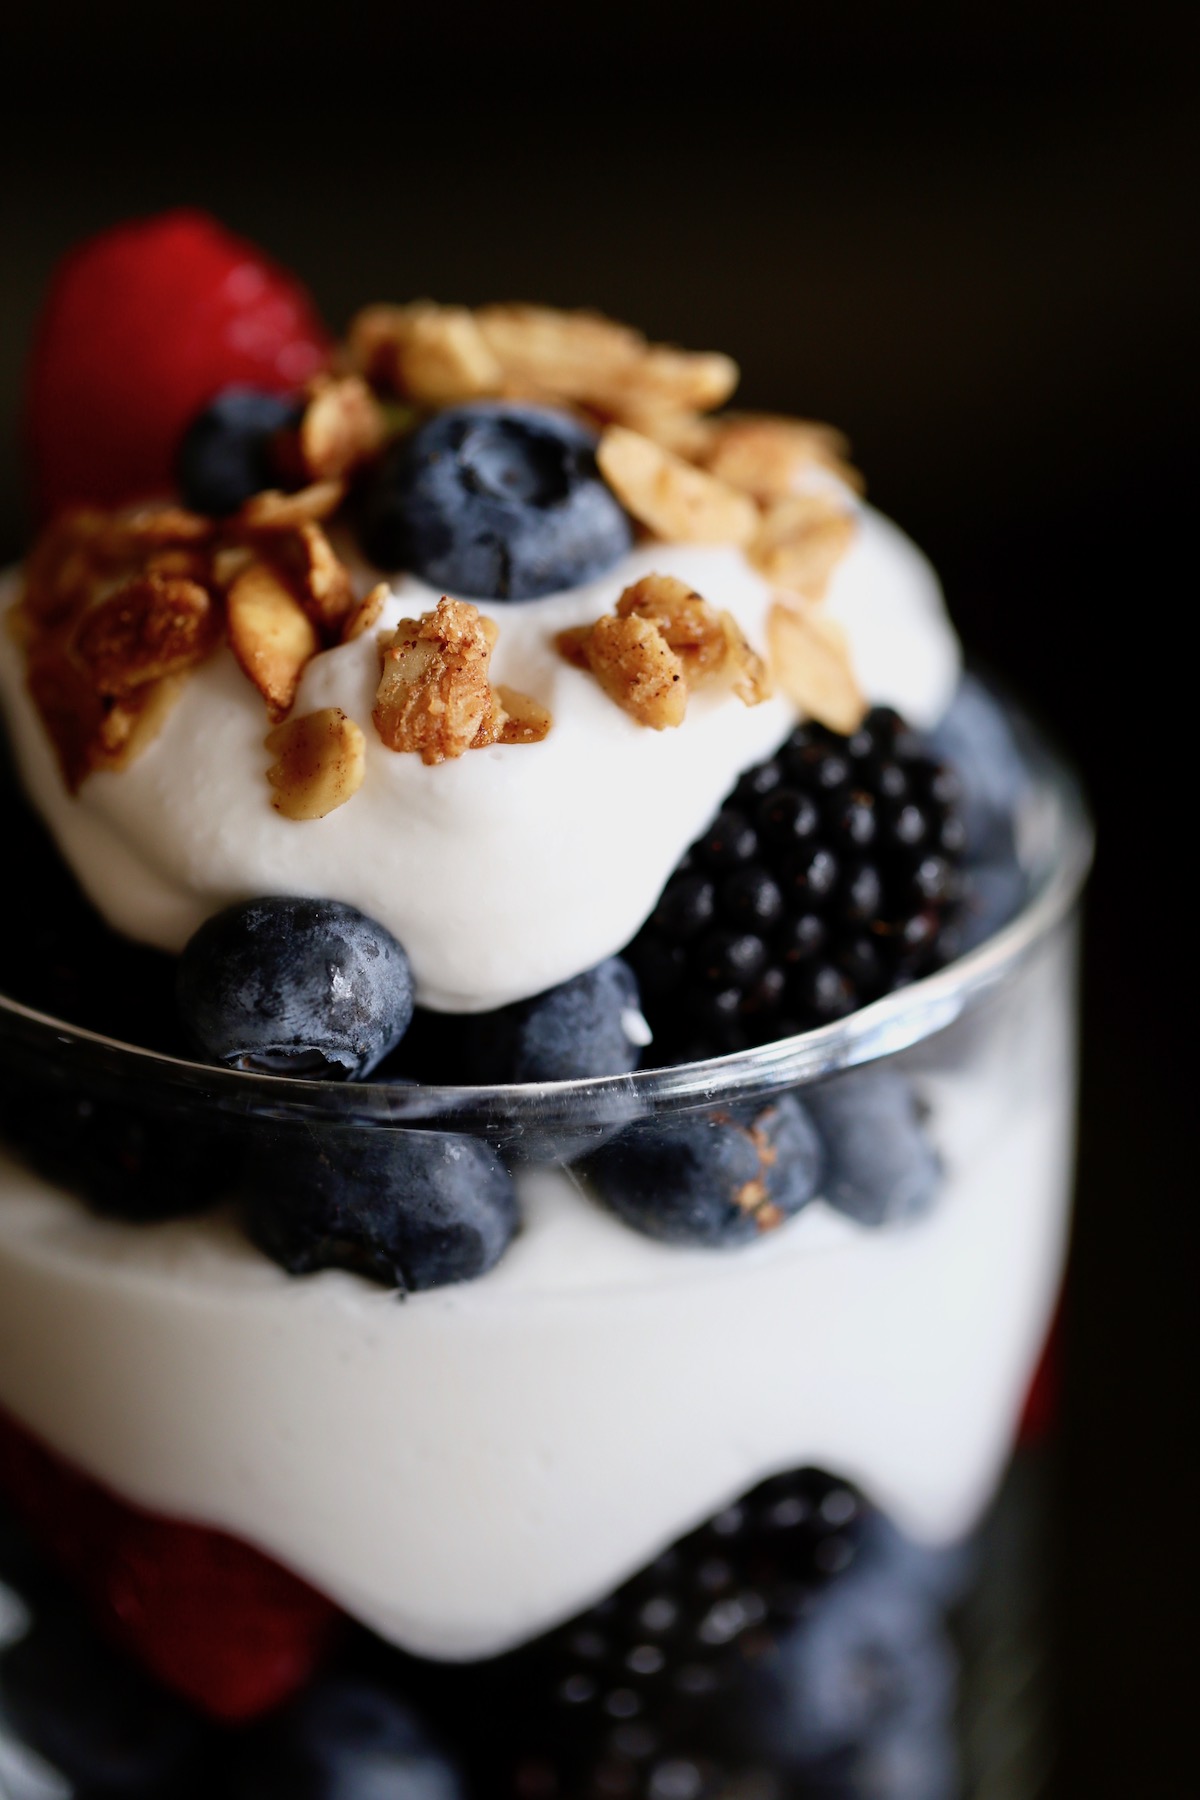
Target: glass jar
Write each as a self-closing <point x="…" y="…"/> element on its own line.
<point x="464" y="1472"/>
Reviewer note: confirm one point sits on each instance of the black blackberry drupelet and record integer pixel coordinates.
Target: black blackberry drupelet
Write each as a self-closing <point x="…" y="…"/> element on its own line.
<point x="832" y="875"/>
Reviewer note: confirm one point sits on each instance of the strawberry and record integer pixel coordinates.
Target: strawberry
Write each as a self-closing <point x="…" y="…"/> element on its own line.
<point x="211" y="1618"/>
<point x="142" y="327"/>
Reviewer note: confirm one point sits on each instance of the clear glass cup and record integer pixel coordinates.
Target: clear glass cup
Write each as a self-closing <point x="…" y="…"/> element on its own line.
<point x="911" y="1340"/>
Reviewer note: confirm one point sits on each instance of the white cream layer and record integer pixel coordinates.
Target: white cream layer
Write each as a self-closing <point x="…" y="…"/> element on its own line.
<point x="510" y="869"/>
<point x="466" y="1467"/>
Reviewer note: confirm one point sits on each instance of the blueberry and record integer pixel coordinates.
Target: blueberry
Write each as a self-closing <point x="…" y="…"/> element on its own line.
<point x="720" y="1178"/>
<point x="225" y="455"/>
<point x="410" y="1209"/>
<point x="879" y="1164"/>
<point x="347" y="1738"/>
<point x="977" y="740"/>
<point x="91" y="1716"/>
<point x="295" y="987"/>
<point x="496" y="502"/>
<point x="591" y="1025"/>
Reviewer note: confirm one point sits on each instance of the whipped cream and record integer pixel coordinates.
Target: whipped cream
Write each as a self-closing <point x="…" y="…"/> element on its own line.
<point x="512" y="868"/>
<point x="465" y="1469"/>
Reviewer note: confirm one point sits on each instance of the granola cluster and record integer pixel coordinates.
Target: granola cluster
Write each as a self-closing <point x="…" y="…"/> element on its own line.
<point x="119" y="608"/>
<point x="662" y="641"/>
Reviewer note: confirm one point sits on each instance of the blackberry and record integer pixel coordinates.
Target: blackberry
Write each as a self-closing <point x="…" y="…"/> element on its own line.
<point x="832" y="875"/>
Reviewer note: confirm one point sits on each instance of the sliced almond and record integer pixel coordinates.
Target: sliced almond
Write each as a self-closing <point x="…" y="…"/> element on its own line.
<point x="434" y="694"/>
<point x="766" y="456"/>
<point x="586" y="358"/>
<point x="811" y="661"/>
<point x="366" y="614"/>
<point x="801" y="541"/>
<point x="342" y="427"/>
<point x="316" y="575"/>
<point x="271" y="635"/>
<point x="273" y="510"/>
<point x="433" y="355"/>
<point x="670" y="497"/>
<point x="320" y="760"/>
<point x="153" y="626"/>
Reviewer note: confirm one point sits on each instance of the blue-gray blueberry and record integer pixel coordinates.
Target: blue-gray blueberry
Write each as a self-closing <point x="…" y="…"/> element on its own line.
<point x="495" y="502"/>
<point x="289" y="986"/>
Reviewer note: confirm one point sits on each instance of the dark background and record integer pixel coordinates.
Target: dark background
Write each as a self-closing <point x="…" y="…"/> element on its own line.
<point x="963" y="233"/>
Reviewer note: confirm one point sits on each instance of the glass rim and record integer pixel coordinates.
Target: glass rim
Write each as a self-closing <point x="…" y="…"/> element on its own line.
<point x="1057" y="869"/>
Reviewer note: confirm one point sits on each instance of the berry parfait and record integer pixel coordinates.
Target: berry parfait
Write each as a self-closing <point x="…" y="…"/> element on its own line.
<point x="536" y="1068"/>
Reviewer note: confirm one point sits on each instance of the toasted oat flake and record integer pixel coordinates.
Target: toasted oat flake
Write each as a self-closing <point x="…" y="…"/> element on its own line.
<point x="153" y="626"/>
<point x="320" y="760"/>
<point x="810" y="658"/>
<point x="670" y="497"/>
<point x="800" y="542"/>
<point x="270" y="634"/>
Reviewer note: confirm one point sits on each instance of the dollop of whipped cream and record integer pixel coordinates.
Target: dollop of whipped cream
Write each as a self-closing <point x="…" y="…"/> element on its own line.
<point x="514" y="867"/>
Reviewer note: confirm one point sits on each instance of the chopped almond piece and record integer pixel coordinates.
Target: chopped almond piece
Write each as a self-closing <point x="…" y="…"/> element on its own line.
<point x="637" y="668"/>
<point x="811" y="661"/>
<point x="765" y="456"/>
<point x="675" y="500"/>
<point x="320" y="760"/>
<point x="526" y="721"/>
<point x="271" y="635"/>
<point x="151" y="627"/>
<point x="801" y="541"/>
<point x="366" y="613"/>
<point x="434" y="695"/>
<point x="434" y="355"/>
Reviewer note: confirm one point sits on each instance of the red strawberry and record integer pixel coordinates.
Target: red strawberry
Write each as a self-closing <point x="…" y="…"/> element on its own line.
<point x="208" y="1616"/>
<point x="143" y="325"/>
